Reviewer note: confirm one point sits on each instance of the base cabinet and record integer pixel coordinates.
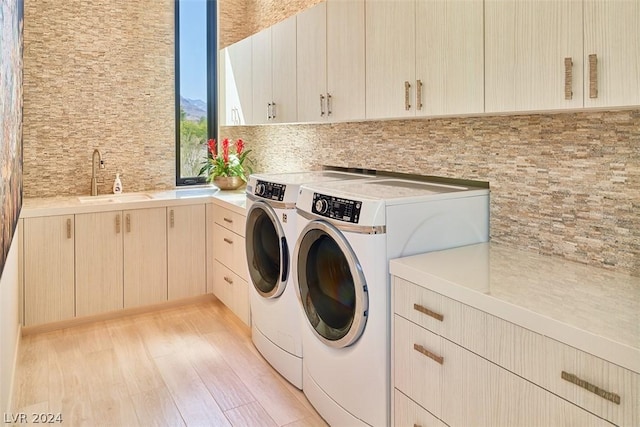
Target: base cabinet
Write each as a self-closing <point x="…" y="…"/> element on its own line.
<point x="227" y="264"/>
<point x="186" y="251"/>
<point x="511" y="376"/>
<point x="48" y="247"/>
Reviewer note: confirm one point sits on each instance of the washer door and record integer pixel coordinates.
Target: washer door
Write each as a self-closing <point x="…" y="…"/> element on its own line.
<point x="267" y="251"/>
<point x="331" y="286"/>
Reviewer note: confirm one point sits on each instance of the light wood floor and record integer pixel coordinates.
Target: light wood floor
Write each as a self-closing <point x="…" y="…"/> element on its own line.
<point x="193" y="365"/>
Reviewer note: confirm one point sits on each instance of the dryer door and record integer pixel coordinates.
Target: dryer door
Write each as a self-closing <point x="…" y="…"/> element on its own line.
<point x="331" y="286"/>
<point x="267" y="251"/>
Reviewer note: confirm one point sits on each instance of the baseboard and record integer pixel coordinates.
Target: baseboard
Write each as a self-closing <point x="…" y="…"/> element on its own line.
<point x="63" y="324"/>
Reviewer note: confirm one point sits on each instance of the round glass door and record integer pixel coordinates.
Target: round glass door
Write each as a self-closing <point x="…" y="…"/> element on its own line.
<point x="331" y="286"/>
<point x="266" y="247"/>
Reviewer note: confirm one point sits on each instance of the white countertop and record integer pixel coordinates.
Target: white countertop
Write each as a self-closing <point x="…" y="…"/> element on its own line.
<point x="234" y="200"/>
<point x="592" y="309"/>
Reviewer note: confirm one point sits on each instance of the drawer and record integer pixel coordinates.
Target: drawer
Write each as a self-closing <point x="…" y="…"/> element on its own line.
<point x="229" y="249"/>
<point x="229" y="219"/>
<point x="451" y="319"/>
<point x="588" y="381"/>
<point x="232" y="290"/>
<point x="415" y="373"/>
<point x="409" y="413"/>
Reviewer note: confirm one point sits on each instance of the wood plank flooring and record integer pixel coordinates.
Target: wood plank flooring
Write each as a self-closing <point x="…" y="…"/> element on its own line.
<point x="193" y="365"/>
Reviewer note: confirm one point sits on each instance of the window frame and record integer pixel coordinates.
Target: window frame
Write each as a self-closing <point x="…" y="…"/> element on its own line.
<point x="212" y="84"/>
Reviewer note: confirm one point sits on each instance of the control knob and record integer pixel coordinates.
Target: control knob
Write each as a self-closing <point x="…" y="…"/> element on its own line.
<point x="322" y="206"/>
<point x="260" y="188"/>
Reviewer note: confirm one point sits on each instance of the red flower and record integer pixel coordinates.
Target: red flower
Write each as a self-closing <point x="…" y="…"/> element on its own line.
<point x="212" y="147"/>
<point x="225" y="150"/>
<point x="239" y="146"/>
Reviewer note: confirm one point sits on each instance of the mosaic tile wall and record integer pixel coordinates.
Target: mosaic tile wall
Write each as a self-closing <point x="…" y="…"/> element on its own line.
<point x="98" y="74"/>
<point x="566" y="184"/>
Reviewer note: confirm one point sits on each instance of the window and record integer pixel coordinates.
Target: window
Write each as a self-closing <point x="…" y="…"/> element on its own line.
<point x="196" y="76"/>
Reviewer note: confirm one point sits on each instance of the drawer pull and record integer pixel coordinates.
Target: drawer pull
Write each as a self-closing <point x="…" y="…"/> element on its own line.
<point x="229" y="220"/>
<point x="590" y="387"/>
<point x="425" y="310"/>
<point x="68" y="228"/>
<point x="172" y="219"/>
<point x="229" y="280"/>
<point x="421" y="349"/>
<point x="568" y="78"/>
<point x="229" y="241"/>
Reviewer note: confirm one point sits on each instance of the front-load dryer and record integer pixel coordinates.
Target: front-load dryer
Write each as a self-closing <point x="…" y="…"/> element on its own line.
<point x="276" y="318"/>
<point x="348" y="232"/>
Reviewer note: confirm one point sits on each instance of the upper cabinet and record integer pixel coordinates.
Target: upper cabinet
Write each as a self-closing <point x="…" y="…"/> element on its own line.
<point x="331" y="62"/>
<point x="274" y="73"/>
<point x="612" y="50"/>
<point x="377" y="59"/>
<point x="533" y="55"/>
<point x="235" y="79"/>
<point x="424" y="57"/>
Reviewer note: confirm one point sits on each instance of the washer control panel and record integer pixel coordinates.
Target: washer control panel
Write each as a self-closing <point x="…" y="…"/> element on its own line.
<point x="270" y="190"/>
<point x="336" y="208"/>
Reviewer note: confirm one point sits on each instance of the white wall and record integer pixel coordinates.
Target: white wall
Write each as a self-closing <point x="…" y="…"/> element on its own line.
<point x="9" y="323"/>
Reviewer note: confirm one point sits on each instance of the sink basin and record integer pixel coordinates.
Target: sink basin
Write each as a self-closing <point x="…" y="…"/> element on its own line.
<point x="115" y="198"/>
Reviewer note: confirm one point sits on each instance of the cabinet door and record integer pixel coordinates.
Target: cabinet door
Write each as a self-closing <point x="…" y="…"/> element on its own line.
<point x="390" y="58"/>
<point x="186" y="251"/>
<point x="526" y="43"/>
<point x="345" y="60"/>
<point x="48" y="269"/>
<point x="261" y="76"/>
<point x="210" y="218"/>
<point x="145" y="257"/>
<point x="99" y="268"/>
<point x="449" y="57"/>
<point x="284" y="109"/>
<point x="312" y="64"/>
<point x="236" y="98"/>
<point x="612" y="33"/>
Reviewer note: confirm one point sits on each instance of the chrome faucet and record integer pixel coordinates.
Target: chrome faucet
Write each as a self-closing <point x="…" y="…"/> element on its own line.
<point x="94" y="180"/>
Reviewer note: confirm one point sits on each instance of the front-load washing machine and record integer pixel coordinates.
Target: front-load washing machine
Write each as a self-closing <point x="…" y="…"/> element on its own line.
<point x="348" y="232"/>
<point x="270" y="236"/>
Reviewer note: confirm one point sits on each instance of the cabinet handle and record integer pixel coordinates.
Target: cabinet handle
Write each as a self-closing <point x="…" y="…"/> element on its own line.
<point x="612" y="397"/>
<point x="229" y="280"/>
<point x="269" y="111"/>
<point x="568" y="78"/>
<point x="128" y="220"/>
<point x="425" y="310"/>
<point x="118" y="224"/>
<point x="321" y="105"/>
<point x="329" y="106"/>
<point x="68" y="228"/>
<point x="229" y="220"/>
<point x="419" y="94"/>
<point x="593" y="76"/>
<point x="422" y="350"/>
<point x="171" y="218"/>
<point x="229" y="241"/>
<point x="273" y="110"/>
<point x="407" y="86"/>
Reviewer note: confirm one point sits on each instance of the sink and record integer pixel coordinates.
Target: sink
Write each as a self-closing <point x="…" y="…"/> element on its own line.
<point x="115" y="198"/>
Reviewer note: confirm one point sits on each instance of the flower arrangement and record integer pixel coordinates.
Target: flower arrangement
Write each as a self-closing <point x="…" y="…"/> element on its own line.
<point x="229" y="162"/>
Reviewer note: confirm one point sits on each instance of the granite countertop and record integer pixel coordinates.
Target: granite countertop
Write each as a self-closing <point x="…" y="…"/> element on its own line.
<point x="590" y="308"/>
<point x="34" y="207"/>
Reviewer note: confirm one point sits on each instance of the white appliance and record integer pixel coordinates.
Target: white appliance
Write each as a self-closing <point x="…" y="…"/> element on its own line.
<point x="270" y="237"/>
<point x="348" y="232"/>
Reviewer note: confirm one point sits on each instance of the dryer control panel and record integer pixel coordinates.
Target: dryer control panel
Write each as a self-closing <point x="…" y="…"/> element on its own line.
<point x="270" y="190"/>
<point x="336" y="208"/>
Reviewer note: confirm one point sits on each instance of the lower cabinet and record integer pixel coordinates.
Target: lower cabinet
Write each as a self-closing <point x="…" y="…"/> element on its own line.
<point x="227" y="264"/>
<point x="186" y="251"/>
<point x="460" y="366"/>
<point x="48" y="247"/>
